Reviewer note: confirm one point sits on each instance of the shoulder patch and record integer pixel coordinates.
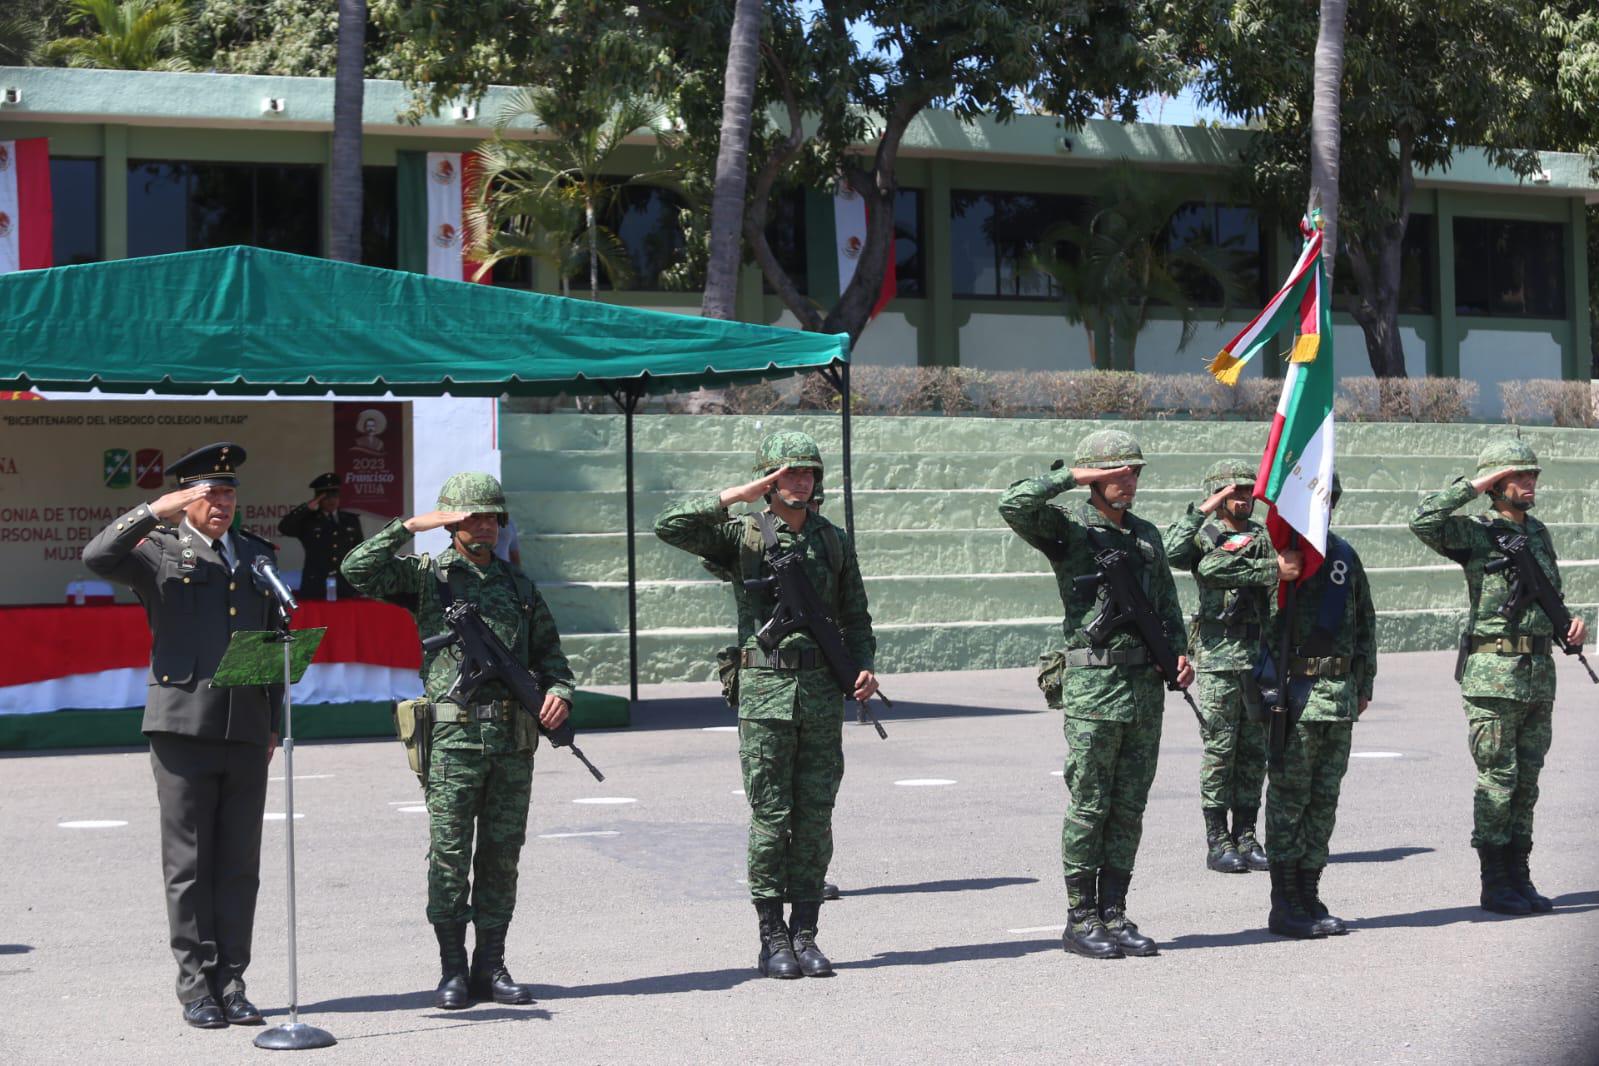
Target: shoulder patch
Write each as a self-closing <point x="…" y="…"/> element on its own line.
<point x="1237" y="542"/>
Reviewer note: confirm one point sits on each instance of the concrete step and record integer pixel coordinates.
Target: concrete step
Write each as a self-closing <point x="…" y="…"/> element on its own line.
<point x="585" y="557"/>
<point x="880" y="511"/>
<point x="935" y="599"/>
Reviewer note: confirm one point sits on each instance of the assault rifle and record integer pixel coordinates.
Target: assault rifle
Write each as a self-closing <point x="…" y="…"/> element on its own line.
<point x="484" y="657"/>
<point x="1528" y="585"/>
<point x="799" y="608"/>
<point x="1126" y="604"/>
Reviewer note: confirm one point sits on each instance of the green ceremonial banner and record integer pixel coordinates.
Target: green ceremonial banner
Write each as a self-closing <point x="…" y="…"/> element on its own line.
<point x="244" y="321"/>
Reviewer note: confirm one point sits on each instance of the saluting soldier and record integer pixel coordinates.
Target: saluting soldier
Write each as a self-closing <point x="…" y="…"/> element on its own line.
<point x="1112" y="692"/>
<point x="1507" y="672"/>
<point x="209" y="747"/>
<point x="327" y="534"/>
<point x="1235" y="568"/>
<point x="791" y="713"/>
<point x="481" y="778"/>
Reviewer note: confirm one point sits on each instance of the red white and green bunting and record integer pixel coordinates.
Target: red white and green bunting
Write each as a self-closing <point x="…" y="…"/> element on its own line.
<point x="27" y="224"/>
<point x="1298" y="302"/>
<point x="433" y="188"/>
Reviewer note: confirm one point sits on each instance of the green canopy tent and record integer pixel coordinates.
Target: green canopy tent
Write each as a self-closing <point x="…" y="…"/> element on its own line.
<point x="247" y="321"/>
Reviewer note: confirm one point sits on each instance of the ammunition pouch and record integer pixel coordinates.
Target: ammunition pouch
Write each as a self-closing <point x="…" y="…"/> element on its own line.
<point x="1052" y="678"/>
<point x="727" y="664"/>
<point x="413" y="724"/>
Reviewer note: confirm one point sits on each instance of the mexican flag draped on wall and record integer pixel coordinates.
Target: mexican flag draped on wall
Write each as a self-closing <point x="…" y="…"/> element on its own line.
<point x="432" y="188"/>
<point x="27" y="224"/>
<point x="850" y="214"/>
<point x="1296" y="468"/>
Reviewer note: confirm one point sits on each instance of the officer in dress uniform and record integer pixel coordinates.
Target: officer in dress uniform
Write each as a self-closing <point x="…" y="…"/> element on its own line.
<point x="209" y="746"/>
<point x="327" y="534"/>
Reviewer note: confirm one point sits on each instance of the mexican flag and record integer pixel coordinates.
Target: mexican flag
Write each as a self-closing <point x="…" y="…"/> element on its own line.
<point x="1296" y="469"/>
<point x="432" y="189"/>
<point x="850" y="215"/>
<point x="27" y="235"/>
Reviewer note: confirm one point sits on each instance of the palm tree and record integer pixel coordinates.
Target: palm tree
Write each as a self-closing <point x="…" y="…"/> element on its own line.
<point x="344" y="172"/>
<point x="526" y="186"/>
<point x="1326" y="94"/>
<point x="732" y="162"/>
<point x="130" y="35"/>
<point x="20" y="39"/>
<point x="1113" y="269"/>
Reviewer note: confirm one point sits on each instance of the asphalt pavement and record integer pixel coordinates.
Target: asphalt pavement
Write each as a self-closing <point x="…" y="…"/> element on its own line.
<point x="634" y="925"/>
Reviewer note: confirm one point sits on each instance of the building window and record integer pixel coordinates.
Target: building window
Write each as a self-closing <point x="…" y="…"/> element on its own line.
<point x="75" y="199"/>
<point x="910" y="262"/>
<point x="645" y="219"/>
<point x="1233" y="235"/>
<point x="1511" y="269"/>
<point x="994" y="236"/>
<point x="178" y="206"/>
<point x="1415" y="271"/>
<point x="380" y="217"/>
<point x="785" y="235"/>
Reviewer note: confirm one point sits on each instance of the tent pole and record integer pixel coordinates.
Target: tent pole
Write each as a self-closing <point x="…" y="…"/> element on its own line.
<point x="849" y="492"/>
<point x="629" y="406"/>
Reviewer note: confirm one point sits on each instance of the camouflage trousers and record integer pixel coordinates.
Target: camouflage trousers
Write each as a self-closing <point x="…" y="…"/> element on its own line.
<point x="1302" y="800"/>
<point x="792" y="770"/>
<point x="1509" y="739"/>
<point x="1233" y="766"/>
<point x="1109" y="768"/>
<point x="469" y="792"/>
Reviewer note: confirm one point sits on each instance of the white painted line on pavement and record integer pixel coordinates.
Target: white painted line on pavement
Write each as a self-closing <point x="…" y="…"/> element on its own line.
<point x="736" y="792"/>
<point x="925" y="782"/>
<point x="411" y="809"/>
<point x="1377" y="755"/>
<point x="718" y="729"/>
<point x="1039" y="929"/>
<point x="1057" y="773"/>
<point x="593" y="833"/>
<point x="606" y="800"/>
<point x="277" y="816"/>
<point x="91" y="823"/>
<point x="305" y="777"/>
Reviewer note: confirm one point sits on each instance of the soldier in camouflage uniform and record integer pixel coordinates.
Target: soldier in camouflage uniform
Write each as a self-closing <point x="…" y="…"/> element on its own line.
<point x="791" y="714"/>
<point x="1332" y="666"/>
<point x="1112" y="695"/>
<point x="1233" y="563"/>
<point x="1507" y="678"/>
<point x="481" y="774"/>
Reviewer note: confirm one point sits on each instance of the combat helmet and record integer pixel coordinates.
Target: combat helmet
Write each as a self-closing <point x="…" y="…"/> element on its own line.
<point x="1227" y="473"/>
<point x="1107" y="449"/>
<point x="1511" y="454"/>
<point x="792" y="449"/>
<point x="474" y="493"/>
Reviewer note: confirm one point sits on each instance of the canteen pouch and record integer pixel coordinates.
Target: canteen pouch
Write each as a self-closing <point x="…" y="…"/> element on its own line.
<point x="1052" y="678"/>
<point x="413" y="724"/>
<point x="727" y="664"/>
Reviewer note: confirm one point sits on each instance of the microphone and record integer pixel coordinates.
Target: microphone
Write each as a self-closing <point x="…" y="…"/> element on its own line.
<point x="267" y="580"/>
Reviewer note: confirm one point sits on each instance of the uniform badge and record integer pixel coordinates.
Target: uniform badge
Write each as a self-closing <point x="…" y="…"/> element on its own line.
<point x="1237" y="542"/>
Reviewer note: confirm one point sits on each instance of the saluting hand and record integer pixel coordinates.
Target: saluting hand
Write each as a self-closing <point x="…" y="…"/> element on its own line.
<point x="754" y="490"/>
<point x="170" y="506"/>
<point x="1087" y="475"/>
<point x="435" y="520"/>
<point x="1487" y="481"/>
<point x="554" y="711"/>
<point x="1213" y="501"/>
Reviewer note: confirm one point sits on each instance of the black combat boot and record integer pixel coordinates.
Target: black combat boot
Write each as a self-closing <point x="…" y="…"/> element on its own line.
<point x="1113" y="911"/>
<point x="1249" y="848"/>
<point x="1520" y="877"/>
<point x="1085" y="933"/>
<point x="777" y="952"/>
<point x="802" y="927"/>
<point x="1288" y="915"/>
<point x="452" y="992"/>
<point x="490" y="978"/>
<point x="1497" y="894"/>
<point x="1310" y="895"/>
<point x="1221" y="853"/>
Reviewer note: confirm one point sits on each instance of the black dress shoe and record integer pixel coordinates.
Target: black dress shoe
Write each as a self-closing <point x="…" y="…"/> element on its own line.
<point x="240" y="1011"/>
<point x="203" y="1013"/>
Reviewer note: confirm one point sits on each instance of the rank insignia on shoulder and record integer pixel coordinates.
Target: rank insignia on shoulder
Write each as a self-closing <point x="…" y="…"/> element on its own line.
<point x="1237" y="542"/>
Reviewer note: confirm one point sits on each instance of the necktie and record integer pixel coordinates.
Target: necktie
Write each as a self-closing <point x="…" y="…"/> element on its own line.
<point x="222" y="553"/>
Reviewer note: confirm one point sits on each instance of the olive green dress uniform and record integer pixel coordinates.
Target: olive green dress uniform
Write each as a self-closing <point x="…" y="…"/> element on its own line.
<point x="208" y="746"/>
<point x="327" y="539"/>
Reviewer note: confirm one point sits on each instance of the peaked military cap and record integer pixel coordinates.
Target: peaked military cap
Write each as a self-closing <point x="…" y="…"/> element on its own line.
<point x="214" y="464"/>
<point x="324" y="482"/>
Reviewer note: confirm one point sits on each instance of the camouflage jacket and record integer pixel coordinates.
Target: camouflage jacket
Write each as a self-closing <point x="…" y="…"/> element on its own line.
<point x="1336" y="698"/>
<point x="1468" y="541"/>
<point x="701" y="525"/>
<point x="1063" y="536"/>
<point x="508" y="601"/>
<point x="1235" y="573"/>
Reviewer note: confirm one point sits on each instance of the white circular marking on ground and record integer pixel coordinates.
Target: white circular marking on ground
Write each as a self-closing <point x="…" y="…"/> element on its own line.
<point x="606" y="801"/>
<point x="277" y="816"/>
<point x="925" y="782"/>
<point x="304" y="777"/>
<point x="411" y="809"/>
<point x="718" y="729"/>
<point x="1377" y="755"/>
<point x="92" y="823"/>
<point x="592" y="833"/>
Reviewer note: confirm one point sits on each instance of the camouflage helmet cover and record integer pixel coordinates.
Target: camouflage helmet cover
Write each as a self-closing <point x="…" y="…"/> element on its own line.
<point x="1507" y="453"/>
<point x="1227" y="473"/>
<point x="1107" y="449"/>
<point x="791" y="449"/>
<point x="474" y="493"/>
